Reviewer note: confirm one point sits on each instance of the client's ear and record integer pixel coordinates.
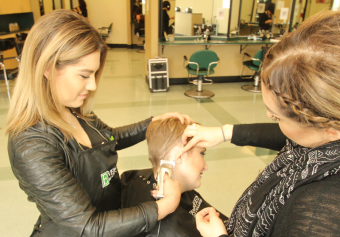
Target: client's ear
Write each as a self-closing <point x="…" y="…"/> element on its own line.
<point x="179" y="160"/>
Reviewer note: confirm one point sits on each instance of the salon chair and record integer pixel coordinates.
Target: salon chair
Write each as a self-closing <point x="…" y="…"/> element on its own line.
<point x="255" y="65"/>
<point x="201" y="64"/>
<point x="105" y="32"/>
<point x="7" y="44"/>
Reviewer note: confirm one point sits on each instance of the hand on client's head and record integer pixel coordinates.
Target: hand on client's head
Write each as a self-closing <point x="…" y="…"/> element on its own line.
<point x="205" y="136"/>
<point x="181" y="117"/>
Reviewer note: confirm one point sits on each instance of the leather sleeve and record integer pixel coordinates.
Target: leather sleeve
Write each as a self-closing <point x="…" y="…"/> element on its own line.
<point x="265" y="135"/>
<point x="38" y="162"/>
<point x="128" y="135"/>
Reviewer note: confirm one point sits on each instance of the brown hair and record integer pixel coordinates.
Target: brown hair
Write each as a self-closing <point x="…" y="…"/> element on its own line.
<point x="162" y="136"/>
<point x="303" y="71"/>
<point x="56" y="40"/>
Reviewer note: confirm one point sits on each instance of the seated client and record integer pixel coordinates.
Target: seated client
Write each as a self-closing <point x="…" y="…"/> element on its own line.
<point x="164" y="143"/>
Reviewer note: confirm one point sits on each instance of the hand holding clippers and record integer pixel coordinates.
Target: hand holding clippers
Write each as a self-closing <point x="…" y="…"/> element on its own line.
<point x="165" y="166"/>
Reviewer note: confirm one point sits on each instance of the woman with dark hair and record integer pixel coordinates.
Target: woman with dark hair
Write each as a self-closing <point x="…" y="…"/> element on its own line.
<point x="298" y="193"/>
<point x="166" y="18"/>
<point x="81" y="9"/>
<point x="265" y="20"/>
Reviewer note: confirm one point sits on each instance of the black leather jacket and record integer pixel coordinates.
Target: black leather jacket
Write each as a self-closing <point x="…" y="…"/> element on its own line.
<point x="51" y="173"/>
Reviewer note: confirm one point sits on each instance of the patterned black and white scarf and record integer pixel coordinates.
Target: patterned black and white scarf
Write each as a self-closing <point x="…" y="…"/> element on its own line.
<point x="293" y="167"/>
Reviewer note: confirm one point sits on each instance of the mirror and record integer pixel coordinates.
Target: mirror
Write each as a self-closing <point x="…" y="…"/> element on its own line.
<point x="193" y="17"/>
<point x="57" y="4"/>
<point x="137" y="10"/>
<point x="41" y="6"/>
<point x="249" y="17"/>
<point x="47" y="6"/>
<point x="221" y="16"/>
<point x="306" y="8"/>
<point x="137" y="17"/>
<point x="256" y="15"/>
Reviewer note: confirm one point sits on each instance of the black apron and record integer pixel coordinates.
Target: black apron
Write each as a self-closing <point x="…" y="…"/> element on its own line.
<point x="98" y="175"/>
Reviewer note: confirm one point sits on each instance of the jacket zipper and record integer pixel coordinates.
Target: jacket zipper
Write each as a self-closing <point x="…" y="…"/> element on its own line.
<point x="92" y="128"/>
<point x="97" y="131"/>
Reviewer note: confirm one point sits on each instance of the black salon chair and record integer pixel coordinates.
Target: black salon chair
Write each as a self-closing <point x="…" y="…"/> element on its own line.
<point x="201" y="64"/>
<point x="7" y="44"/>
<point x="254" y="64"/>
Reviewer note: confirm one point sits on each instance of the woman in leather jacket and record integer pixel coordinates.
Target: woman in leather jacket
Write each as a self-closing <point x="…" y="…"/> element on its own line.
<point x="62" y="154"/>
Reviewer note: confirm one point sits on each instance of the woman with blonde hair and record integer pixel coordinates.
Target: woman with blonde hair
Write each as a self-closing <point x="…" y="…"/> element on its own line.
<point x="62" y="154"/>
<point x="298" y="193"/>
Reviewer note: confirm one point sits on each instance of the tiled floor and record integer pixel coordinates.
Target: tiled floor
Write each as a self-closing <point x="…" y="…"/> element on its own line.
<point x="122" y="98"/>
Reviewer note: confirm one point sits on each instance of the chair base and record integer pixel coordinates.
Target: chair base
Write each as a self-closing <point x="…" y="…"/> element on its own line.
<point x="199" y="94"/>
<point x="252" y="88"/>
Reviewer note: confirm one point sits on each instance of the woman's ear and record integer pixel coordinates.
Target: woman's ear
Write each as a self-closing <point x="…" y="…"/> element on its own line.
<point x="47" y="73"/>
<point x="333" y="134"/>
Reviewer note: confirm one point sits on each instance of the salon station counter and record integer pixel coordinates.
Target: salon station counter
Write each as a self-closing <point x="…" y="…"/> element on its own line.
<point x="230" y="52"/>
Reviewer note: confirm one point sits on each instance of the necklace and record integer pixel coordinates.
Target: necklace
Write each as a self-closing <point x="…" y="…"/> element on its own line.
<point x="71" y="124"/>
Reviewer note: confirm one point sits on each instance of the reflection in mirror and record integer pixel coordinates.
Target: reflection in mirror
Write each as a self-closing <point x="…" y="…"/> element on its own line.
<point x="50" y="5"/>
<point x="306" y="8"/>
<point x="41" y="5"/>
<point x="57" y="4"/>
<point x="255" y="16"/>
<point x="194" y="17"/>
<point x="221" y="17"/>
<point x="137" y="17"/>
<point x="137" y="10"/>
<point x="168" y="16"/>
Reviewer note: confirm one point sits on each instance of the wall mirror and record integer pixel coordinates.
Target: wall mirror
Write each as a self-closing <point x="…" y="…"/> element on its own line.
<point x="192" y="17"/>
<point x="137" y="10"/>
<point x="47" y="6"/>
<point x="249" y="17"/>
<point x="57" y="4"/>
<point x="256" y="15"/>
<point x="306" y="8"/>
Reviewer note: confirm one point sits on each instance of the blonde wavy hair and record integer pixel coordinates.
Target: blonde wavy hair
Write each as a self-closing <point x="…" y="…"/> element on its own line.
<point x="303" y="71"/>
<point x="162" y="136"/>
<point x="56" y="40"/>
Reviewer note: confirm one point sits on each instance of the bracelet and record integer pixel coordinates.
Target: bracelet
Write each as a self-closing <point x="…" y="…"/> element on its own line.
<point x="223" y="133"/>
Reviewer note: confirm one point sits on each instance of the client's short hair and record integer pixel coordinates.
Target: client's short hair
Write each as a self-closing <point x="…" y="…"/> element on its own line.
<point x="162" y="136"/>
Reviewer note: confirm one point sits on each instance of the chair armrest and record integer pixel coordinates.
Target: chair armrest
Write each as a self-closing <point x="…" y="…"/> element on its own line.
<point x="185" y="62"/>
<point x="210" y="64"/>
<point x="246" y="54"/>
<point x="197" y="66"/>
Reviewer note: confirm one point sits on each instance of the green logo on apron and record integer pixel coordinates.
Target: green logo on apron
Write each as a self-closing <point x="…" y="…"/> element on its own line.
<point x="105" y="179"/>
<point x="107" y="176"/>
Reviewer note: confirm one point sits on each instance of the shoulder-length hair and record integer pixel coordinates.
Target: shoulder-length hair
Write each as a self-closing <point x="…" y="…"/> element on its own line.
<point x="303" y="71"/>
<point x="58" y="39"/>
